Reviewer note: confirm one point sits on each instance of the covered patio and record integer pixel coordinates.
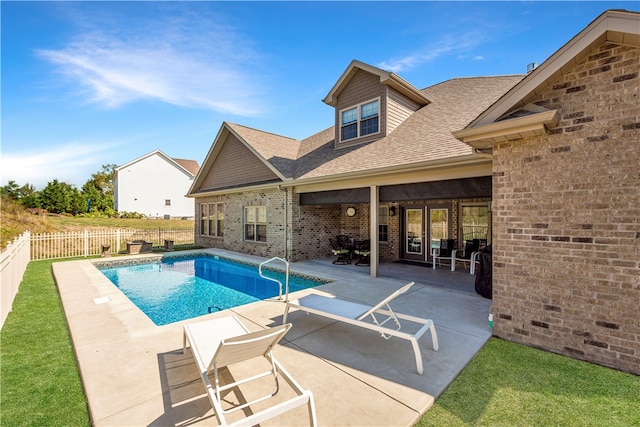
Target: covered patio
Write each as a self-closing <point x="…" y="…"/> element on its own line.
<point x="134" y="372"/>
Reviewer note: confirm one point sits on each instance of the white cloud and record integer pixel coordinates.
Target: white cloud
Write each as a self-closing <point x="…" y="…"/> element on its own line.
<point x="192" y="62"/>
<point x="71" y="163"/>
<point x="450" y="44"/>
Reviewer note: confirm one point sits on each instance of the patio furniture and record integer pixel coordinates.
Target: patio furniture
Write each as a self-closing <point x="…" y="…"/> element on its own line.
<point x="106" y="250"/>
<point x="363" y="250"/>
<point x="471" y="248"/>
<point x="367" y="317"/>
<point x="218" y="343"/>
<point x="444" y="253"/>
<point x="341" y="252"/>
<point x="343" y="239"/>
<point x="139" y="247"/>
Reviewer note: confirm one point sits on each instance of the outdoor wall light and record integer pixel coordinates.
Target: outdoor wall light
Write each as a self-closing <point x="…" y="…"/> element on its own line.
<point x="392" y="210"/>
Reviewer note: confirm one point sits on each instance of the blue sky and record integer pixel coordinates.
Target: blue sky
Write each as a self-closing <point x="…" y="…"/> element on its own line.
<point x="92" y="83"/>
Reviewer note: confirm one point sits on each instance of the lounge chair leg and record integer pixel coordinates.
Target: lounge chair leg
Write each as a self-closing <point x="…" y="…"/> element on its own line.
<point x="434" y="336"/>
<point x="312" y="410"/>
<point x="418" y="354"/>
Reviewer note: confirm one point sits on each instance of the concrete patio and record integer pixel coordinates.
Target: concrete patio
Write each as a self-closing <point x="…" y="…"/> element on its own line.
<point x="134" y="372"/>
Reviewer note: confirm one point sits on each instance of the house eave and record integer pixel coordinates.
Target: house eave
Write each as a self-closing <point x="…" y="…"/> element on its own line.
<point x="237" y="189"/>
<point x="611" y="26"/>
<point x="485" y="136"/>
<point x="392" y="175"/>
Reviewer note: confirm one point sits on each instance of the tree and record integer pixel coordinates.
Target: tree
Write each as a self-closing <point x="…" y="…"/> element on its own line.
<point x="99" y="190"/>
<point x="29" y="197"/>
<point x="11" y="189"/>
<point x="26" y="195"/>
<point x="60" y="197"/>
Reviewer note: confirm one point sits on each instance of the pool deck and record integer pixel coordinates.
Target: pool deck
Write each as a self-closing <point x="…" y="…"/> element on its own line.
<point x="134" y="372"/>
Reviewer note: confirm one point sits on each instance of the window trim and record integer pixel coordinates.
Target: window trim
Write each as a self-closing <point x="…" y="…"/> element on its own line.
<point x="210" y="218"/>
<point x="380" y="224"/>
<point x="255" y="224"/>
<point x="359" y="120"/>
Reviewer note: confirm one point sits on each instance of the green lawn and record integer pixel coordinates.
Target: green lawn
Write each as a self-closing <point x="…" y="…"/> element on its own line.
<point x="78" y="222"/>
<point x="505" y="385"/>
<point x="39" y="380"/>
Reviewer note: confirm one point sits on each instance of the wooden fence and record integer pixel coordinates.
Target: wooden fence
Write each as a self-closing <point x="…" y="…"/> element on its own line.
<point x="13" y="263"/>
<point x="92" y="242"/>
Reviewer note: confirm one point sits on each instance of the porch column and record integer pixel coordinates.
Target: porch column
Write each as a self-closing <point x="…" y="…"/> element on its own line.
<point x="373" y="230"/>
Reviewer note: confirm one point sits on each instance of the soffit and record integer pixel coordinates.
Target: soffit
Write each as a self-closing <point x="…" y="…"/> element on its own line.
<point x="536" y="124"/>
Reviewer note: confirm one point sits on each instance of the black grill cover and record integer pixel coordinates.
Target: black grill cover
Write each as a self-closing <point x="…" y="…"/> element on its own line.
<point x="483" y="276"/>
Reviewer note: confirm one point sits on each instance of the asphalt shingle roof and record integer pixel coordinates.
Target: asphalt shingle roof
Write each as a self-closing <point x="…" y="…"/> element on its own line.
<point x="426" y="136"/>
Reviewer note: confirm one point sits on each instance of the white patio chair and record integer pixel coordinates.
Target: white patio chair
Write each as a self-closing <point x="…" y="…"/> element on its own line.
<point x="218" y="343"/>
<point x="355" y="314"/>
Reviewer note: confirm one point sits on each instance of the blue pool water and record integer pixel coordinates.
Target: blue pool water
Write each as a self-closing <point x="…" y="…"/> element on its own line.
<point x="182" y="288"/>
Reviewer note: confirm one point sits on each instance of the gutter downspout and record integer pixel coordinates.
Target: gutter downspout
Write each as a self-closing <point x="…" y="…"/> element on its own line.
<point x="286" y="222"/>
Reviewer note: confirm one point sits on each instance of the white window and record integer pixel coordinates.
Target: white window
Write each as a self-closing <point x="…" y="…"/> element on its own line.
<point x="360" y="121"/>
<point x="212" y="219"/>
<point x="383" y="223"/>
<point x="167" y="202"/>
<point x="204" y="229"/>
<point x="255" y="223"/>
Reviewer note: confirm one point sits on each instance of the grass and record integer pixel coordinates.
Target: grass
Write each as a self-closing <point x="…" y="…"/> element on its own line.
<point x="16" y="220"/>
<point x="506" y="384"/>
<point x="39" y="380"/>
<point x="64" y="223"/>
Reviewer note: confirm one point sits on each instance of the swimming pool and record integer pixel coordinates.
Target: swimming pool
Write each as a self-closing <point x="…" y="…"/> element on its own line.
<point x="174" y="289"/>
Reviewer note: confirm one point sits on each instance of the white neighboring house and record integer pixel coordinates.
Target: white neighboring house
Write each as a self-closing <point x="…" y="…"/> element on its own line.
<point x="155" y="185"/>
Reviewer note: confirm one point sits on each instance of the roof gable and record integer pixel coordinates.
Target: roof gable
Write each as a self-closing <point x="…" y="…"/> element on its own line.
<point x="614" y="26"/>
<point x="387" y="78"/>
<point x="513" y="117"/>
<point x="241" y="156"/>
<point x="188" y="167"/>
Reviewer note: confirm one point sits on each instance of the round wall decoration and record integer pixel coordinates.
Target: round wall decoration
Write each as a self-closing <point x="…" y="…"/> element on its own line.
<point x="351" y="211"/>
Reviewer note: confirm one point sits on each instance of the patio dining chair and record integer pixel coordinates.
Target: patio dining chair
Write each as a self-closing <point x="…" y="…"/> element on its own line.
<point x="343" y="239"/>
<point x="444" y="253"/>
<point x="341" y="252"/>
<point x="363" y="250"/>
<point x="471" y="247"/>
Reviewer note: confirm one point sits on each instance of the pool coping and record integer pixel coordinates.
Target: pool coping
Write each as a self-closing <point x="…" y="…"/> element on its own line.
<point x="134" y="372"/>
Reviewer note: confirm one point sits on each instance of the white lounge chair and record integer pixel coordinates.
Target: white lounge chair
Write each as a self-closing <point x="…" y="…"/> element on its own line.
<point x="355" y="314"/>
<point x="221" y="342"/>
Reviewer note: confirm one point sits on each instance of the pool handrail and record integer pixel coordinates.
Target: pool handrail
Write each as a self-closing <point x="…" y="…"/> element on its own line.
<point x="276" y="280"/>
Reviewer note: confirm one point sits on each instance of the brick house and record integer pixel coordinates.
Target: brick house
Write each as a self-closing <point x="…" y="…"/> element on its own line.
<point x="543" y="166"/>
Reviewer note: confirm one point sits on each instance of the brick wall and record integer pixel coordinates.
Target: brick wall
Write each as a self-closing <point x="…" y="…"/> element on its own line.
<point x="566" y="219"/>
<point x="233" y="223"/>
